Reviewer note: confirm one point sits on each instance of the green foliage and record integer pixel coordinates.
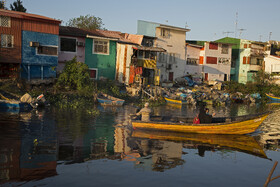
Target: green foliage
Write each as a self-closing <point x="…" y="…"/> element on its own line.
<point x="88" y="22"/>
<point x="2" y="5"/>
<point x="17" y="6"/>
<point x="75" y="77"/>
<point x="261" y="77"/>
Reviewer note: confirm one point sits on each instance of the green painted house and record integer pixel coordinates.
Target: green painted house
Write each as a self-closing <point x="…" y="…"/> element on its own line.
<point x="100" y="56"/>
<point x="247" y="58"/>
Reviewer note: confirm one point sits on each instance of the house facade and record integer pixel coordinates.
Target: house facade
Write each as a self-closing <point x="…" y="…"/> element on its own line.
<point x="192" y="59"/>
<point x="171" y="63"/>
<point x="247" y="58"/>
<point x="215" y="59"/>
<point x="71" y="44"/>
<point x="29" y="44"/>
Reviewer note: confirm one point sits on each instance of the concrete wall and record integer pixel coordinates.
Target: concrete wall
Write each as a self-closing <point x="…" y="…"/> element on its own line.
<point x="106" y="64"/>
<point x="272" y="64"/>
<point x="193" y="53"/>
<point x="124" y="53"/>
<point x="173" y="44"/>
<point x="222" y="66"/>
<point x="146" y="28"/>
<point x="40" y="65"/>
<point x="64" y="56"/>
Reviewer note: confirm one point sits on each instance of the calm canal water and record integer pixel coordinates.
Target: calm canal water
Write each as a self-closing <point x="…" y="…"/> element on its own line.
<point x="55" y="147"/>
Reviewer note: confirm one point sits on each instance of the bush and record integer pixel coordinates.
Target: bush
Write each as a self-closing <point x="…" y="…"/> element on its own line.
<point x="75" y="77"/>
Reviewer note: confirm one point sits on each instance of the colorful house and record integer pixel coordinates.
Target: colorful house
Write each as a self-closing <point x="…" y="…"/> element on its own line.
<point x="214" y="60"/>
<point x="30" y="42"/>
<point x="272" y="60"/>
<point x="171" y="63"/>
<point x="100" y="54"/>
<point x="247" y="58"/>
<point x="71" y="44"/>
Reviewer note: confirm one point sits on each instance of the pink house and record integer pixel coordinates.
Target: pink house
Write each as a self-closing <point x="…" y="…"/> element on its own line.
<point x="71" y="44"/>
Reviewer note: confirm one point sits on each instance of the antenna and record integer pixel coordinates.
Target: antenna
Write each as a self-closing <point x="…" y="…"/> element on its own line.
<point x="240" y="32"/>
<point x="227" y="32"/>
<point x="260" y="38"/>
<point x="236" y="22"/>
<point x="186" y="25"/>
<point x="269" y="37"/>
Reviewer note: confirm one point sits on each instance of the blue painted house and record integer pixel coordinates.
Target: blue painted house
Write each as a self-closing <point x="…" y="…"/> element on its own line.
<point x="29" y="46"/>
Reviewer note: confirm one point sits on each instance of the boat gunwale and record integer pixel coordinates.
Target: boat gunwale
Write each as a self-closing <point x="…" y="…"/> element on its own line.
<point x="203" y="124"/>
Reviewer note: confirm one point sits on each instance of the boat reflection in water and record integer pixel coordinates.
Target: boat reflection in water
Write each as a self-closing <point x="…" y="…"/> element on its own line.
<point x="30" y="153"/>
<point x="164" y="150"/>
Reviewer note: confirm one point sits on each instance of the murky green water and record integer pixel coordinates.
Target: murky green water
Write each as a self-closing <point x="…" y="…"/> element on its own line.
<point x="64" y="148"/>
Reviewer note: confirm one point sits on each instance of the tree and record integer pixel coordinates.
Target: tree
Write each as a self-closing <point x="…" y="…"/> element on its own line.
<point x="17" y="6"/>
<point x="2" y="5"/>
<point x="86" y="22"/>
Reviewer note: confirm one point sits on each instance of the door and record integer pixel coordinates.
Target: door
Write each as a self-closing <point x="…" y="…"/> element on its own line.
<point x="206" y="76"/>
<point x="170" y="77"/>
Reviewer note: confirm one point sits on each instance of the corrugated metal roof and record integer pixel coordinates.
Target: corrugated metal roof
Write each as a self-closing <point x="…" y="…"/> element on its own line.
<point x="23" y="15"/>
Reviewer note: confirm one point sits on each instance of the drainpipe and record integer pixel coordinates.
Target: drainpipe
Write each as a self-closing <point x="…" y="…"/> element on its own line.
<point x="42" y="73"/>
<point x="28" y="67"/>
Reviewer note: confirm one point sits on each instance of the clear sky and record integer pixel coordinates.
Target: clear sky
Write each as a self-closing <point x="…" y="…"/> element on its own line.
<point x="207" y="19"/>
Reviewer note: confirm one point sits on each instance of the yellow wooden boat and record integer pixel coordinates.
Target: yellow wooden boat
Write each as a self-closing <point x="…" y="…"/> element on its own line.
<point x="232" y="125"/>
<point x="242" y="143"/>
<point x="175" y="101"/>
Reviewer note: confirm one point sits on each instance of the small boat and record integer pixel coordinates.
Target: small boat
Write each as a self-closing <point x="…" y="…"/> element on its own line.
<point x="175" y="101"/>
<point x="14" y="104"/>
<point x="241" y="143"/>
<point x="107" y="100"/>
<point x="273" y="98"/>
<point x="227" y="125"/>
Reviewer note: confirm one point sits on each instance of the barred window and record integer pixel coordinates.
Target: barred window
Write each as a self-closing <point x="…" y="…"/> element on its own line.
<point x="100" y="47"/>
<point x="225" y="48"/>
<point x="5" y="21"/>
<point x="7" y="40"/>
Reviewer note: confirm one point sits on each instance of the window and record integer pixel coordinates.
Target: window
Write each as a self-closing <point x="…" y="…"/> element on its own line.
<point x="213" y="46"/>
<point x="68" y="44"/>
<point x="7" y="40"/>
<point x="165" y="33"/>
<point x="162" y="58"/>
<point x="47" y="50"/>
<point x="192" y="61"/>
<point x="5" y="21"/>
<point x="225" y="49"/>
<point x="100" y="47"/>
<point x="173" y="56"/>
<point x="211" y="60"/>
<point x="93" y="73"/>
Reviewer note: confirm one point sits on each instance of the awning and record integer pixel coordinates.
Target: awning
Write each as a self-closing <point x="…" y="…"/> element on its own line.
<point x="143" y="48"/>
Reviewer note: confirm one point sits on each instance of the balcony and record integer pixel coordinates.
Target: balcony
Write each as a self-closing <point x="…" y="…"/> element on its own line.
<point x="253" y="67"/>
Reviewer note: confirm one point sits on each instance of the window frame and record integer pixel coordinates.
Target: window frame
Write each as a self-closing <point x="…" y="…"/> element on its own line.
<point x="100" y="53"/>
<point x="46" y="54"/>
<point x="76" y="40"/>
<point x="96" y="75"/>
<point x="225" y="49"/>
<point x="12" y="40"/>
<point x="165" y="33"/>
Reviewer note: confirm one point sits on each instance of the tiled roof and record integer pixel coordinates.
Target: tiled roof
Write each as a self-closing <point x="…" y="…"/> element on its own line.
<point x="120" y="37"/>
<point x="23" y="15"/>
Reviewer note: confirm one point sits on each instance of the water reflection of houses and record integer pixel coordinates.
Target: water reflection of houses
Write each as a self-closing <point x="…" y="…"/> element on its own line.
<point x="27" y="149"/>
<point x="270" y="136"/>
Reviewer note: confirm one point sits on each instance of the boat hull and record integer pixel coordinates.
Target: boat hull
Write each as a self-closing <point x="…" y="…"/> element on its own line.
<point x="238" y="127"/>
<point x="7" y="104"/>
<point x="174" y="101"/>
<point x="107" y="100"/>
<point x="273" y="98"/>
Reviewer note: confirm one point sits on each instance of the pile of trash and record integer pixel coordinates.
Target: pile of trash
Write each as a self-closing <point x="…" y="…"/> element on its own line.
<point x="37" y="102"/>
<point x="208" y="95"/>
